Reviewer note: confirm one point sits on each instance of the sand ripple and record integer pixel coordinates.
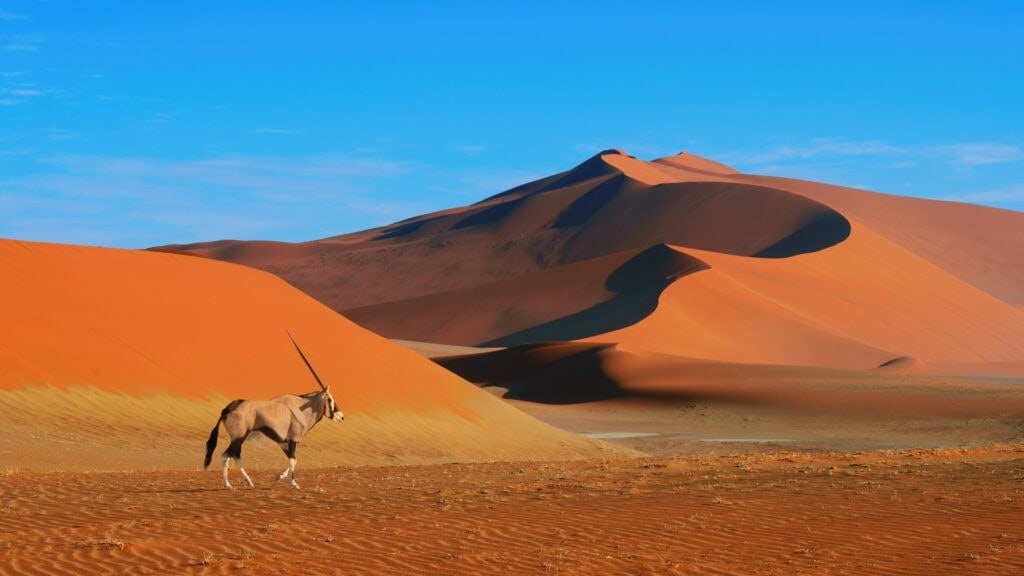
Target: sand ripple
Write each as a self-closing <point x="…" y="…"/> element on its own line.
<point x="875" y="513"/>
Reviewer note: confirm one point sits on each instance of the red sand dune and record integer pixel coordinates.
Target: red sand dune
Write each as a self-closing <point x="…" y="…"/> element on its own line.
<point x="685" y="257"/>
<point x="151" y="341"/>
<point x="593" y="210"/>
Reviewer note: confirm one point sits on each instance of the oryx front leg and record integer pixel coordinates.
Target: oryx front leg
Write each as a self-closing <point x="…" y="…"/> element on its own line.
<point x="289" y="472"/>
<point x="289" y="450"/>
<point x="245" y="475"/>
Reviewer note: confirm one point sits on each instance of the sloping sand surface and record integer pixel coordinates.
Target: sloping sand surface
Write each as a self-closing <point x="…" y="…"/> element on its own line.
<point x="978" y="244"/>
<point x="115" y="359"/>
<point x="564" y="303"/>
<point x="856" y="305"/>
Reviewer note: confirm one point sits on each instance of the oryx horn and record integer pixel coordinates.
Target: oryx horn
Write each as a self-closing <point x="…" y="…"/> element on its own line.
<point x="304" y="359"/>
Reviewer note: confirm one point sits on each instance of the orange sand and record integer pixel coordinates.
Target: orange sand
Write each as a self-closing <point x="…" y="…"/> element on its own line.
<point x="875" y="513"/>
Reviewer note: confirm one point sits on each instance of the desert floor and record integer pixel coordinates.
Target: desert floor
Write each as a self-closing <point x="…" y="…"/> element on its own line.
<point x="916" y="511"/>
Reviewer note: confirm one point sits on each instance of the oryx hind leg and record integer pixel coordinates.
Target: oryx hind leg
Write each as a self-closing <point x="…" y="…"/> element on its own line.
<point x="234" y="452"/>
<point x="289" y="451"/>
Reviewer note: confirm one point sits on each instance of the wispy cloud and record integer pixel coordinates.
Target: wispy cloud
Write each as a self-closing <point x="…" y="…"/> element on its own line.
<point x="144" y="201"/>
<point x="22" y="42"/>
<point x="140" y="201"/>
<point x="965" y="154"/>
<point x="6" y="16"/>
<point x="20" y="91"/>
<point x="1009" y="196"/>
<point x="945" y="171"/>
<point x="815" y="148"/>
<point x="18" y="95"/>
<point x="980" y="153"/>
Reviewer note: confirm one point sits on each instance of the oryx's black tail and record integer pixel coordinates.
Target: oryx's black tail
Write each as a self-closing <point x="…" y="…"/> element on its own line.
<point x="211" y="443"/>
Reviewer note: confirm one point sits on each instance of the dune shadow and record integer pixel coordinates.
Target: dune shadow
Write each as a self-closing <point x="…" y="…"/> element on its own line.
<point x="740" y="219"/>
<point x="545" y="372"/>
<point x="488" y="216"/>
<point x="636" y="285"/>
<point x="826" y="230"/>
<point x="557" y="373"/>
<point x="593" y="201"/>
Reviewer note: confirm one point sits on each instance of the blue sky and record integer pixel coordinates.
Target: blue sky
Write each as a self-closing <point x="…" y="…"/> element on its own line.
<point x="135" y="124"/>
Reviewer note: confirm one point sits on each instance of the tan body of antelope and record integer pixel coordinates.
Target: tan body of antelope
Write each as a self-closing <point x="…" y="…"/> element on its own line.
<point x="284" y="419"/>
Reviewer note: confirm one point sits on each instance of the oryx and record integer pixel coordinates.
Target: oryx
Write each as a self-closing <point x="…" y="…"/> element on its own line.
<point x="285" y="420"/>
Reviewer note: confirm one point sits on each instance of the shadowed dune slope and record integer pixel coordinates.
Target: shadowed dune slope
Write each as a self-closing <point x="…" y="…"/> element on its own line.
<point x="565" y="303"/>
<point x="114" y="359"/>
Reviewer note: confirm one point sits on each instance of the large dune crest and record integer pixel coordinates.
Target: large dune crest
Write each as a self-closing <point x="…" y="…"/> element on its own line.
<point x="97" y="341"/>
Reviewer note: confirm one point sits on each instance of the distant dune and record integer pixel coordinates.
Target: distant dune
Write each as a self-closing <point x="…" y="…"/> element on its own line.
<point x="683" y="256"/>
<point x="116" y="359"/>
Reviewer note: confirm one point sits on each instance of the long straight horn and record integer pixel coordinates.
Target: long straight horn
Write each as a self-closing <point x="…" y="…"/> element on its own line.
<point x="308" y="365"/>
